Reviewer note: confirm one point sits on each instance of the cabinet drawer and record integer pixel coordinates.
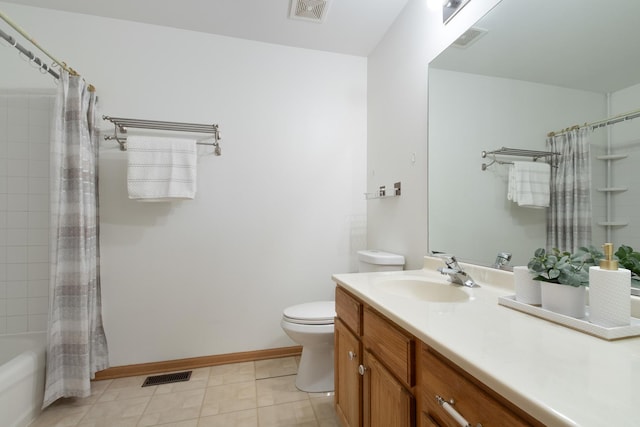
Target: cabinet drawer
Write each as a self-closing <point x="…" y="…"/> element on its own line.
<point x="470" y="401"/>
<point x="393" y="347"/>
<point x="349" y="310"/>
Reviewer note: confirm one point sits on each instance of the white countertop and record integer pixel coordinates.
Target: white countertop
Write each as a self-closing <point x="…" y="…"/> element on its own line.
<point x="560" y="376"/>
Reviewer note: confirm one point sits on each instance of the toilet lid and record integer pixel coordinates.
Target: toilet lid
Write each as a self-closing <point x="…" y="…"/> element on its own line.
<point x="311" y="313"/>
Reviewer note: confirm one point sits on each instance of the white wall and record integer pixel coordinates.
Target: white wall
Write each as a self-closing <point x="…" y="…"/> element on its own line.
<point x="278" y="213"/>
<point x="469" y="211"/>
<point x="397" y="134"/>
<point x="397" y="122"/>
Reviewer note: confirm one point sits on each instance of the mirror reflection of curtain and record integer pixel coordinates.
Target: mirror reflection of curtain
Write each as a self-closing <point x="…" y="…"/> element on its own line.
<point x="569" y="213"/>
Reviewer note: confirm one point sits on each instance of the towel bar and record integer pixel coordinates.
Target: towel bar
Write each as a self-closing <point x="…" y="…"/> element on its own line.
<point x="504" y="151"/>
<point x="121" y="124"/>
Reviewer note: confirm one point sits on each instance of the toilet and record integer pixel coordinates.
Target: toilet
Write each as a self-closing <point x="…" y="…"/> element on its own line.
<point x="311" y="326"/>
<point x="374" y="260"/>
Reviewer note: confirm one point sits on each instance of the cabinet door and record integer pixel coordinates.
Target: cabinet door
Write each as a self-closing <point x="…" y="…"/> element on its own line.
<point x="386" y="402"/>
<point x="348" y="382"/>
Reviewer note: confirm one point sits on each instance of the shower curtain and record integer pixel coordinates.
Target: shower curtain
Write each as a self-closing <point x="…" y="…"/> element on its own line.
<point x="569" y="213"/>
<point x="77" y="346"/>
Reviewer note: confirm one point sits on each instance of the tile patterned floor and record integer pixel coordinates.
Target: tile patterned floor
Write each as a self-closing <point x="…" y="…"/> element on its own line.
<point x="251" y="394"/>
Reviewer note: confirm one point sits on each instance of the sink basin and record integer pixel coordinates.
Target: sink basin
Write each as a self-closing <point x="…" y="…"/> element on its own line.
<point x="422" y="289"/>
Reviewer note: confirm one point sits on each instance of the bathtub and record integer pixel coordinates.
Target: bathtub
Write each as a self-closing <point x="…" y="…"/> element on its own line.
<point x="22" y="360"/>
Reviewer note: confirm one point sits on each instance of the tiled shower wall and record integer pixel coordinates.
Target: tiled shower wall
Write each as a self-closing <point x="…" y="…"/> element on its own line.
<point x="25" y="119"/>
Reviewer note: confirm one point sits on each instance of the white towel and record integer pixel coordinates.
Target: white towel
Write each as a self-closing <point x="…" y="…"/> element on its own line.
<point x="511" y="184"/>
<point x="528" y="184"/>
<point x="161" y="169"/>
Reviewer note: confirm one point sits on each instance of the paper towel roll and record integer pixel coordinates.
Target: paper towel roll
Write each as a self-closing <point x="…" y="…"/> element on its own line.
<point x="527" y="289"/>
<point x="609" y="297"/>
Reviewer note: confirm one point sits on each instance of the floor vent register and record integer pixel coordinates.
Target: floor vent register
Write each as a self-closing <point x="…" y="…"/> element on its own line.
<point x="167" y="378"/>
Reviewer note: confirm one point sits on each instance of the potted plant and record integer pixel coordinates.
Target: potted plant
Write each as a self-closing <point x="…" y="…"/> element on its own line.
<point x="630" y="259"/>
<point x="563" y="277"/>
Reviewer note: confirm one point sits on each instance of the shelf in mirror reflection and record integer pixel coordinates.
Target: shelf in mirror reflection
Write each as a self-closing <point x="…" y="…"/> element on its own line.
<point x="612" y="157"/>
<point x="612" y="189"/>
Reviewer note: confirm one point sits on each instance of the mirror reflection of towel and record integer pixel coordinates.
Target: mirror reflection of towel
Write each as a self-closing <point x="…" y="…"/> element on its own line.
<point x="161" y="169"/>
<point x="528" y="184"/>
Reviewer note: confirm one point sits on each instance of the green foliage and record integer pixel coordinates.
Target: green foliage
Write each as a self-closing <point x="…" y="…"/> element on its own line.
<point x="564" y="267"/>
<point x="629" y="260"/>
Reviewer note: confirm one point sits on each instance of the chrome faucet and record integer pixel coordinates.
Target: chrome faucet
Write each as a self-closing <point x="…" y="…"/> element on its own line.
<point x="502" y="259"/>
<point x="456" y="273"/>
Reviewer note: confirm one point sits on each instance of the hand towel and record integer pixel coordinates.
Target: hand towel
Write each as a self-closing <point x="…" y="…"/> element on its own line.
<point x="511" y="184"/>
<point x="532" y="180"/>
<point x="161" y="169"/>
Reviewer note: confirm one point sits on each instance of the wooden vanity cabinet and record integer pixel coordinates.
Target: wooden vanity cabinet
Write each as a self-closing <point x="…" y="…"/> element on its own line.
<point x="348" y="381"/>
<point x="375" y="367"/>
<point x="393" y="346"/>
<point x="386" y="402"/>
<point x="385" y="377"/>
<point x="427" y="421"/>
<point x="348" y="358"/>
<point x="476" y="403"/>
<point x="349" y="310"/>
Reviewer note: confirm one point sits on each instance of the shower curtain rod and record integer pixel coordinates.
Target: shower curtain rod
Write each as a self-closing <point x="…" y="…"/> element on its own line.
<point x="16" y="27"/>
<point x="13" y="42"/>
<point x="600" y="123"/>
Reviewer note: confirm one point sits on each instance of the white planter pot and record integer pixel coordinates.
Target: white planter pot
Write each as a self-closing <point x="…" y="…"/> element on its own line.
<point x="527" y="290"/>
<point x="564" y="299"/>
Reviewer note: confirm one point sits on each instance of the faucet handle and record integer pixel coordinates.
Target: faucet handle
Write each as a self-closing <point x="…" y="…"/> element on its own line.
<point x="502" y="259"/>
<point x="449" y="259"/>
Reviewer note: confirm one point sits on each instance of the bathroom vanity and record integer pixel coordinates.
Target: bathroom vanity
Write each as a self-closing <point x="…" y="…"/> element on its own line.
<point x="406" y="357"/>
<point x="370" y="347"/>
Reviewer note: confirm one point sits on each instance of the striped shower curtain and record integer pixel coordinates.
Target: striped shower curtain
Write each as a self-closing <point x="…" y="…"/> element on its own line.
<point x="77" y="346"/>
<point x="569" y="213"/>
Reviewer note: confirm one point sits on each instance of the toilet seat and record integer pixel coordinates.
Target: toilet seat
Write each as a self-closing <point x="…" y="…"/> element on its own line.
<point x="312" y="313"/>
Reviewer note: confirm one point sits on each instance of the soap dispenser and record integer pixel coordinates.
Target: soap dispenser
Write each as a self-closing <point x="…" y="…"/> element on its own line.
<point x="609" y="292"/>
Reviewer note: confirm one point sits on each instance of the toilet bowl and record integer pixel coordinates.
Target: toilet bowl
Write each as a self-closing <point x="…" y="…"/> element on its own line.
<point x="311" y="326"/>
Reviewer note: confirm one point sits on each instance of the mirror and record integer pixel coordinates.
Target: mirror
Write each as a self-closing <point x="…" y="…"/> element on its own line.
<point x="534" y="67"/>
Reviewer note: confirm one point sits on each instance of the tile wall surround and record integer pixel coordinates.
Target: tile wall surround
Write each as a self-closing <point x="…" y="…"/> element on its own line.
<point x="25" y="118"/>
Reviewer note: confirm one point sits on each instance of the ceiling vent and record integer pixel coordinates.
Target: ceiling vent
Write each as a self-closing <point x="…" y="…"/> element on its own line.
<point x="469" y="37"/>
<point x="309" y="10"/>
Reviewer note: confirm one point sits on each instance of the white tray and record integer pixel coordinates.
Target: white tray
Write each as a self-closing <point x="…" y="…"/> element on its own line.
<point x="582" y="325"/>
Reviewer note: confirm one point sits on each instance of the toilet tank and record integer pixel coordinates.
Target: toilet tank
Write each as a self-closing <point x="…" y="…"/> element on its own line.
<point x="374" y="260"/>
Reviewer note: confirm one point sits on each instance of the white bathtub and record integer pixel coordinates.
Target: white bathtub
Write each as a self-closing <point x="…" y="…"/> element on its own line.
<point x="22" y="360"/>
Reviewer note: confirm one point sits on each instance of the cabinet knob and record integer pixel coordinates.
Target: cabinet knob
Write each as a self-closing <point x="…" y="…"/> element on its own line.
<point x="351" y="354"/>
<point x="362" y="369"/>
